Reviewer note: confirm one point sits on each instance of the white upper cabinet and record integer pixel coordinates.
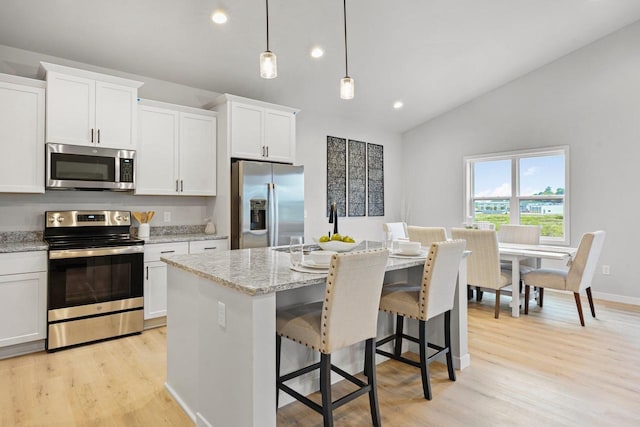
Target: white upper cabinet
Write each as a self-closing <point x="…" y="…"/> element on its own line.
<point x="87" y="108"/>
<point x="176" y="150"/>
<point x="22" y="121"/>
<point x="259" y="130"/>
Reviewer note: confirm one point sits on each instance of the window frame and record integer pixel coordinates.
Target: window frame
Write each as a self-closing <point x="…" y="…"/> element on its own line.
<point x="515" y="198"/>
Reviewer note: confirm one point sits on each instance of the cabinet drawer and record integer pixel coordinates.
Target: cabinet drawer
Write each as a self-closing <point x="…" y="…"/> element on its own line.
<point x="153" y="252"/>
<point x="200" y="246"/>
<point x="23" y="262"/>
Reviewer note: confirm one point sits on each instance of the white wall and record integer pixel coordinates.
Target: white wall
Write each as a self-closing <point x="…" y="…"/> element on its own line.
<point x="589" y="100"/>
<point x="311" y="151"/>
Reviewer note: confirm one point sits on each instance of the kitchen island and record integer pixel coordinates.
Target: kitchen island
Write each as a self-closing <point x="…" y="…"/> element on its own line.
<point x="221" y="331"/>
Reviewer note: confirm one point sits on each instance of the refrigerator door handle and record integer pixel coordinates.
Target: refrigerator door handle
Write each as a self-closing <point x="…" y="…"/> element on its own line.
<point x="276" y="220"/>
<point x="270" y="215"/>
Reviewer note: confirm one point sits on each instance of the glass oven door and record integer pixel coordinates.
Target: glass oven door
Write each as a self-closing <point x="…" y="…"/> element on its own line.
<point x="89" y="276"/>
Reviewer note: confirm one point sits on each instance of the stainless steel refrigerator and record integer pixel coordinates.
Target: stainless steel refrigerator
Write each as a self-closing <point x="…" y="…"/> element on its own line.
<point x="267" y="204"/>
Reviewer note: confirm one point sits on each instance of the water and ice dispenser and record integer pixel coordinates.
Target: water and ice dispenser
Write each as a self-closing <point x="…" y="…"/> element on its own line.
<point x="258" y="214"/>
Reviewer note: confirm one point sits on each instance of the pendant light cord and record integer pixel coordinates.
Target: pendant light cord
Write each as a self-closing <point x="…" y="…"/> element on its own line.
<point x="267" y="1"/>
<point x="346" y="63"/>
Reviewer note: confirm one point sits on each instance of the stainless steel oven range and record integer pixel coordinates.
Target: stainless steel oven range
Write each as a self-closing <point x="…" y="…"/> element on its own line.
<point x="95" y="281"/>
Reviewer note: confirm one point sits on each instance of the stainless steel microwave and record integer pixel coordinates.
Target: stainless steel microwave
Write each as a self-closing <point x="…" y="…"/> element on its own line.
<point x="90" y="168"/>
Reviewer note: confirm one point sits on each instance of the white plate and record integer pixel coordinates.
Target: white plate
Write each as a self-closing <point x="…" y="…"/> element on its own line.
<point x="312" y="264"/>
<point x="418" y="253"/>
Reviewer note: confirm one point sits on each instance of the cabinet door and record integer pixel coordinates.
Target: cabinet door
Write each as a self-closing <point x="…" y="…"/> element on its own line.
<point x="247" y="138"/>
<point x="115" y="115"/>
<point x="197" y="156"/>
<point x="157" y="155"/>
<point x="279" y="135"/>
<point x="155" y="289"/>
<point x="23" y="308"/>
<point x="70" y="109"/>
<point x="22" y="135"/>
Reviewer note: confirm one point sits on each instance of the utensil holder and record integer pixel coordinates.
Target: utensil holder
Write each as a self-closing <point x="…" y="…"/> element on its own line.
<point x="143" y="231"/>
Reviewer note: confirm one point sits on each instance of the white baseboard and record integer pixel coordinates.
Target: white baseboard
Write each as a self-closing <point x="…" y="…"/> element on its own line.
<point x="201" y="421"/>
<point x="20" y="349"/>
<point x="462" y="362"/>
<point x="616" y="298"/>
<point x="181" y="402"/>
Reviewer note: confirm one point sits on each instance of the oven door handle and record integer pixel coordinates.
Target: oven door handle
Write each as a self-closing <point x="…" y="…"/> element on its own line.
<point x="92" y="252"/>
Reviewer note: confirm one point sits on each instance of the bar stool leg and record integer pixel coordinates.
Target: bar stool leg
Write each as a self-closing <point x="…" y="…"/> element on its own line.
<point x="397" y="350"/>
<point x="278" y="347"/>
<point x="447" y="344"/>
<point x="325" y="389"/>
<point x="424" y="362"/>
<point x="370" y="372"/>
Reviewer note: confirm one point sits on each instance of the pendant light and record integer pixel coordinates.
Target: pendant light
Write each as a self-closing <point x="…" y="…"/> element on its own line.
<point x="346" y="84"/>
<point x="268" y="65"/>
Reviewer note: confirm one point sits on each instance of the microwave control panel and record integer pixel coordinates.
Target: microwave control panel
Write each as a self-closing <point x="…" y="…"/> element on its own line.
<point x="126" y="170"/>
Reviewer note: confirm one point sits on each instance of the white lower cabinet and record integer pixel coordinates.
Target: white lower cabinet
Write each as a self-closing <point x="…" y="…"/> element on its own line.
<point x="23" y="297"/>
<point x="155" y="271"/>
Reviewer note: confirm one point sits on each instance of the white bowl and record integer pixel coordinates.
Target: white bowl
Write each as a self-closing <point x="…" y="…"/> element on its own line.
<point x="321" y="257"/>
<point x="336" y="245"/>
<point x="409" y="248"/>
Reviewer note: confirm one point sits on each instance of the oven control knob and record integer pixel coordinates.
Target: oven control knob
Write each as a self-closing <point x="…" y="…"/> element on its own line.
<point x="60" y="219"/>
<point x="52" y="219"/>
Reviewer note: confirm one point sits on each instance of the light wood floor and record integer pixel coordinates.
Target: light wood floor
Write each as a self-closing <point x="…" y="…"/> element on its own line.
<point x="538" y="370"/>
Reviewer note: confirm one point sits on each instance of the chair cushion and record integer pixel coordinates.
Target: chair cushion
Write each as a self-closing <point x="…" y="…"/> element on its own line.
<point x="523" y="268"/>
<point x="546" y="278"/>
<point x="401" y="298"/>
<point x="505" y="278"/>
<point x="301" y="323"/>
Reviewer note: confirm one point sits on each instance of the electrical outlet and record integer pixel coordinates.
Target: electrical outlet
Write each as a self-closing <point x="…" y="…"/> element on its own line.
<point x="222" y="314"/>
<point x="606" y="270"/>
<point x="167" y="217"/>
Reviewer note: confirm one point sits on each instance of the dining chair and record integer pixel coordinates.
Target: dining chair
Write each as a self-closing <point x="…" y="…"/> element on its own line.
<point x="424" y="301"/>
<point x="483" y="265"/>
<point x="484" y="225"/>
<point x="398" y="230"/>
<point x="347" y="315"/>
<point x="426" y="235"/>
<point x="524" y="235"/>
<point x="576" y="280"/>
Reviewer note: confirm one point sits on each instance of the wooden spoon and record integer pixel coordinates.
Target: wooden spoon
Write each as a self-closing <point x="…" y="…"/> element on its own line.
<point x="150" y="215"/>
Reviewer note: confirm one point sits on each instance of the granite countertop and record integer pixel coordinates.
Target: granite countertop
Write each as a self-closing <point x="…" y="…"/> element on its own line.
<point x="186" y="237"/>
<point x="261" y="270"/>
<point x="8" y="247"/>
<point x="22" y="241"/>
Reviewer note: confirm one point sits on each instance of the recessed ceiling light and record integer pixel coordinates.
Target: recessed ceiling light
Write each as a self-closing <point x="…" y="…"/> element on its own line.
<point x="317" y="52"/>
<point x="219" y="17"/>
<point x="397" y="105"/>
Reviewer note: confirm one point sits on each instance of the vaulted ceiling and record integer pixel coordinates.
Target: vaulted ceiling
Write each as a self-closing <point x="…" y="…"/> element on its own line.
<point x="433" y="55"/>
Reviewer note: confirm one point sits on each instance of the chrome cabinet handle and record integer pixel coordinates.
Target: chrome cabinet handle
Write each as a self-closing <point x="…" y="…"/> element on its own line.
<point x="177" y="185"/>
<point x="267" y="145"/>
<point x="181" y="185"/>
<point x="92" y="135"/>
<point x="210" y="248"/>
<point x="98" y="136"/>
<point x="147" y="272"/>
<point x="167" y="252"/>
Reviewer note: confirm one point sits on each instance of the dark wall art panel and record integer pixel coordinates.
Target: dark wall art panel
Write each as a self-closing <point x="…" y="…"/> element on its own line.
<point x="375" y="169"/>
<point x="337" y="174"/>
<point x="357" y="177"/>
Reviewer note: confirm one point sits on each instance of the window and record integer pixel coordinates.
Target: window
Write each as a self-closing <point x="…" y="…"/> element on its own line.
<point x="524" y="187"/>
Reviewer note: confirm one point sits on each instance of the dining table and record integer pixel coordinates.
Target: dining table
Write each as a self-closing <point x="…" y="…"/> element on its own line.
<point x="516" y="252"/>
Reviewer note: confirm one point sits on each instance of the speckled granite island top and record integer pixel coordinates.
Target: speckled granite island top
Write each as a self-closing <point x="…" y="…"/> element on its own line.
<point x="261" y="270"/>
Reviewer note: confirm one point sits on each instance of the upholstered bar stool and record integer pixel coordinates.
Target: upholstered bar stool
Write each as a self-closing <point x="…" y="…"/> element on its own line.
<point x="576" y="280"/>
<point x="434" y="296"/>
<point x="347" y="315"/>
